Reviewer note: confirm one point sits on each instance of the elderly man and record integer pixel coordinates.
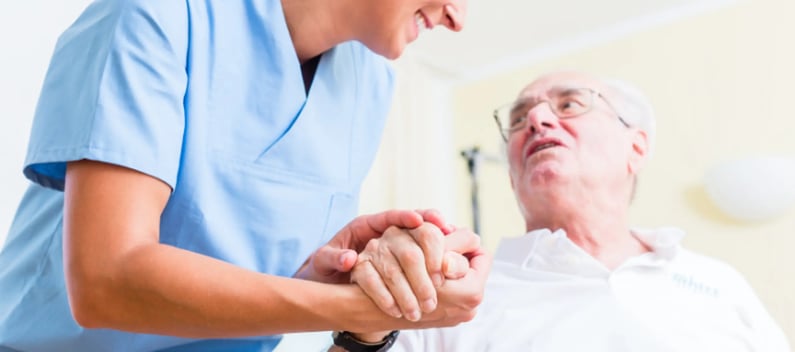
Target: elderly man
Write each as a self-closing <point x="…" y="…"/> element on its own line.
<point x="580" y="278"/>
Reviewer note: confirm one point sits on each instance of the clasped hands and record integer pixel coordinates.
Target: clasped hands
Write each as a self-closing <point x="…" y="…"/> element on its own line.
<point x="412" y="264"/>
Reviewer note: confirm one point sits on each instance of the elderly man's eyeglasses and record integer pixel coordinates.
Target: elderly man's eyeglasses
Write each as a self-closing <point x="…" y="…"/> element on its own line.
<point x="565" y="103"/>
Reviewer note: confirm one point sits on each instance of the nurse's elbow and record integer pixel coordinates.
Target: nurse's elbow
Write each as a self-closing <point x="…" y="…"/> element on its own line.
<point x="85" y="317"/>
<point x="85" y="294"/>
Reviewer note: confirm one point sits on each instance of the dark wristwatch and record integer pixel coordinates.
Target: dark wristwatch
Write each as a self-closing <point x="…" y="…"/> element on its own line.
<point x="350" y="343"/>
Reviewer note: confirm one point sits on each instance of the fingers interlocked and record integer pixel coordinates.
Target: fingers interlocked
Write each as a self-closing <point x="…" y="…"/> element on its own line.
<point x="394" y="270"/>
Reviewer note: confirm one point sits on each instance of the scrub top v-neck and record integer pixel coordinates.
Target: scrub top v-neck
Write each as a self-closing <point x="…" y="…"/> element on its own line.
<point x="207" y="96"/>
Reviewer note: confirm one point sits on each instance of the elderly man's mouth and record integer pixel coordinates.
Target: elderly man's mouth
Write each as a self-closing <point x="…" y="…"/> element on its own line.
<point x="542" y="144"/>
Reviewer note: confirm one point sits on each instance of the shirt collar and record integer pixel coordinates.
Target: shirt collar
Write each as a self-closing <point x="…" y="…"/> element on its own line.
<point x="544" y="249"/>
<point x="664" y="242"/>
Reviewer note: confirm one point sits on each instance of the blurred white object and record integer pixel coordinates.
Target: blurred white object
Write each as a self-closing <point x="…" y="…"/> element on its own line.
<point x="305" y="342"/>
<point x="753" y="189"/>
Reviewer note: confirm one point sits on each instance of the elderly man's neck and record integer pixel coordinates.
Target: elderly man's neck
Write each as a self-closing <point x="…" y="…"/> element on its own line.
<point x="601" y="230"/>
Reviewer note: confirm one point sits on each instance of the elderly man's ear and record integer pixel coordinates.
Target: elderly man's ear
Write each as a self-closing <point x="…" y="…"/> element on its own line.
<point x="640" y="150"/>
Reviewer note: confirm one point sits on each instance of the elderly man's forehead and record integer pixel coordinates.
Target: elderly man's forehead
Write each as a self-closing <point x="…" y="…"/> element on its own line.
<point x="563" y="80"/>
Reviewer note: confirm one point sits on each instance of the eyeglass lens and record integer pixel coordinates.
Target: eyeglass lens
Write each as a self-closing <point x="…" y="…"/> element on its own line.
<point x="564" y="103"/>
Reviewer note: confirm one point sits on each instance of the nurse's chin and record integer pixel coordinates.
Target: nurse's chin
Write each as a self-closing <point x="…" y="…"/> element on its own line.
<point x="391" y="52"/>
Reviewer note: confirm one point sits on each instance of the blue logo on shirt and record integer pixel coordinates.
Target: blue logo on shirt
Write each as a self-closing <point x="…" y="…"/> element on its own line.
<point x="694" y="285"/>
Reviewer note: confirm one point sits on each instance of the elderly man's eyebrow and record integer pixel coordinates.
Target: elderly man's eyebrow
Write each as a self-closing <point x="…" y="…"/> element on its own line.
<point x="523" y="102"/>
<point x="532" y="100"/>
<point x="563" y="90"/>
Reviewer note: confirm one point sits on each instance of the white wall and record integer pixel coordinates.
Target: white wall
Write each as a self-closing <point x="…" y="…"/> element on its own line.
<point x="28" y="31"/>
<point x="414" y="167"/>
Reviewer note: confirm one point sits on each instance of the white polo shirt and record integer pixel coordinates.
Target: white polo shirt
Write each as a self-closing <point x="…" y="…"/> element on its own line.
<point x="547" y="294"/>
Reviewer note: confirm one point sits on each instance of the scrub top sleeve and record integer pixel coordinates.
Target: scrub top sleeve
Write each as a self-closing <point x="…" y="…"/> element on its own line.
<point x="114" y="92"/>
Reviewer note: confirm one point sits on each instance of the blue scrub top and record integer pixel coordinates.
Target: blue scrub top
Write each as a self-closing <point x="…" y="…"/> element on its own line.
<point x="206" y="95"/>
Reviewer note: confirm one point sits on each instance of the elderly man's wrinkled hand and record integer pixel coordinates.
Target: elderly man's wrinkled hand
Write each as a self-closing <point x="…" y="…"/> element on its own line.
<point x="402" y="270"/>
<point x="459" y="299"/>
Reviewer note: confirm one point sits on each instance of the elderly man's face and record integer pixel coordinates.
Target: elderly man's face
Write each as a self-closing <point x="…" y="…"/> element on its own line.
<point x="592" y="152"/>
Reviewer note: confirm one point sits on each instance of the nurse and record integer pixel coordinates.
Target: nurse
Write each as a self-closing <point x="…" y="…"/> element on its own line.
<point x="187" y="157"/>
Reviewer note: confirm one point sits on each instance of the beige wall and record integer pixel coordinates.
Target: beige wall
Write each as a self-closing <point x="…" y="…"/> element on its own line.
<point x="723" y="85"/>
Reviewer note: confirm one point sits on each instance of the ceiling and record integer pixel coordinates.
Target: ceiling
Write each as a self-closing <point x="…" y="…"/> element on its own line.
<point x="501" y="35"/>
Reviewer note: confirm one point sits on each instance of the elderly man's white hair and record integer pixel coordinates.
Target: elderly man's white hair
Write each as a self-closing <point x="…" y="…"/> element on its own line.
<point x="633" y="107"/>
<point x="636" y="110"/>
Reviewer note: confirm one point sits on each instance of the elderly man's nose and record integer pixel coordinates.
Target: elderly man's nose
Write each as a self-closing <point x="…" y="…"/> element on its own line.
<point x="541" y="118"/>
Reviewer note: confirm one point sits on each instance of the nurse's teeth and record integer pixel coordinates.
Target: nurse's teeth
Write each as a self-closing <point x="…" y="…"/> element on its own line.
<point x="420" y="22"/>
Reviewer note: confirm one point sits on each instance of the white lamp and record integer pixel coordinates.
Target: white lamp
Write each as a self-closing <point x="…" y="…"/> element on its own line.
<point x="753" y="189"/>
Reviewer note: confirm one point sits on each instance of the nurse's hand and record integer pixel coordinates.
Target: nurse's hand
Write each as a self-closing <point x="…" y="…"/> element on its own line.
<point x="396" y="269"/>
<point x="332" y="262"/>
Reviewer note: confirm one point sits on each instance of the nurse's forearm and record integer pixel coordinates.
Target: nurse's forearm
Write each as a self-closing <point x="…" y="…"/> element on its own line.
<point x="165" y="290"/>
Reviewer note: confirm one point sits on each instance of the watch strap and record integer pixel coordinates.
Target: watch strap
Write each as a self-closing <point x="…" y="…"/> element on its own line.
<point x="350" y="343"/>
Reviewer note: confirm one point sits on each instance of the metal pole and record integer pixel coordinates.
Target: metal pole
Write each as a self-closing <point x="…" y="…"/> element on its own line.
<point x="472" y="156"/>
